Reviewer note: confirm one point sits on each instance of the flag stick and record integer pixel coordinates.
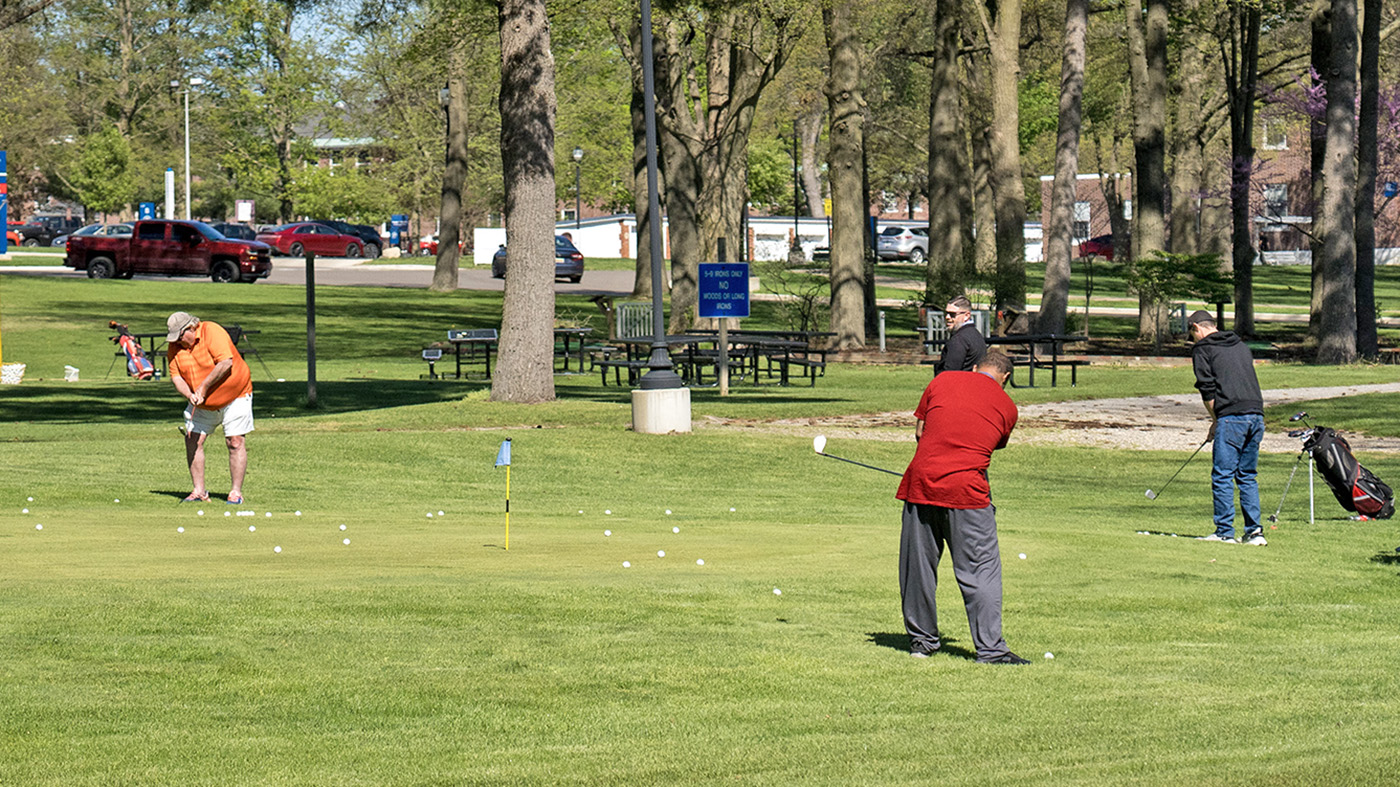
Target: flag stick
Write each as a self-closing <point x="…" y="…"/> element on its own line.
<point x="507" y="508"/>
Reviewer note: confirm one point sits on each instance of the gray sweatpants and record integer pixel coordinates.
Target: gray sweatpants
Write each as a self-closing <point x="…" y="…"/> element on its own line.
<point x="970" y="536"/>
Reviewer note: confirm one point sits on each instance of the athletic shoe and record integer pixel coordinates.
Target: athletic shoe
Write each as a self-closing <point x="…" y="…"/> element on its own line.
<point x="920" y="652"/>
<point x="1257" y="540"/>
<point x="1218" y="537"/>
<point x="1009" y="658"/>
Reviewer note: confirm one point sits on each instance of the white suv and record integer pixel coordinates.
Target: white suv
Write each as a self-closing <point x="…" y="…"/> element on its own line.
<point x="903" y="243"/>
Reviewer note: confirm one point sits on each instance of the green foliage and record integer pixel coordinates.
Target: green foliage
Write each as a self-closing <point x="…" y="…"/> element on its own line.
<point x="345" y="191"/>
<point x="1164" y="276"/>
<point x="102" y="176"/>
<point x="770" y="174"/>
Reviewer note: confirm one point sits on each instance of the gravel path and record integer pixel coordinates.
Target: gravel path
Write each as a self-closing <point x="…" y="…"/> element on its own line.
<point x="1176" y="422"/>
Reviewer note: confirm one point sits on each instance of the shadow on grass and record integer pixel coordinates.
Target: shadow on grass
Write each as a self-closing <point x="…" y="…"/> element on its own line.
<point x="900" y="642"/>
<point x="1387" y="559"/>
<point x="155" y="402"/>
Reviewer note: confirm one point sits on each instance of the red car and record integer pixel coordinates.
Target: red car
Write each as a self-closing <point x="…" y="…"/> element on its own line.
<point x="294" y="240"/>
<point x="1098" y="246"/>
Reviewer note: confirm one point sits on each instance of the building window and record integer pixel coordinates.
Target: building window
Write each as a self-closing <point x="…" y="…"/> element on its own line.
<point x="1275" y="136"/>
<point x="1080" y="225"/>
<point x="1275" y="199"/>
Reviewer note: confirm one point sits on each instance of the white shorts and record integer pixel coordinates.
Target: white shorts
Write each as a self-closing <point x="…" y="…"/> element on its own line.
<point x="236" y="418"/>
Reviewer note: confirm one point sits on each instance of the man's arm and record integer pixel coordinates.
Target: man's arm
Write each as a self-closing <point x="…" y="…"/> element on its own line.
<point x="219" y="374"/>
<point x="954" y="352"/>
<point x="918" y="430"/>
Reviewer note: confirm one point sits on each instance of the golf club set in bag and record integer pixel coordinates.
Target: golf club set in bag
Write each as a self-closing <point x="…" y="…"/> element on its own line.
<point x="137" y="364"/>
<point x="1356" y="488"/>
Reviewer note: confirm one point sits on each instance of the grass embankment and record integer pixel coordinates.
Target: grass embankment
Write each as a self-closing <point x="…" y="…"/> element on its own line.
<point x="423" y="652"/>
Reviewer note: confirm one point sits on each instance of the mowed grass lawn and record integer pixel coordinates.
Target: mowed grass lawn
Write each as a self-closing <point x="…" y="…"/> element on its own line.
<point x="423" y="652"/>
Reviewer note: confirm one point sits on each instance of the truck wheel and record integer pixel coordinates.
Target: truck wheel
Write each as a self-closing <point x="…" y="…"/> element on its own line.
<point x="297" y="250"/>
<point x="224" y="271"/>
<point x="352" y="250"/>
<point x="30" y="242"/>
<point x="101" y="268"/>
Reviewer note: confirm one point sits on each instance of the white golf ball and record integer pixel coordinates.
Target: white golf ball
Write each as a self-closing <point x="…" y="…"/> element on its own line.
<point x="24" y="511"/>
<point x="281" y="379"/>
<point x="700" y="562"/>
<point x="608" y="511"/>
<point x="430" y="514"/>
<point x="38" y="527"/>
<point x="179" y="530"/>
<point x="777" y="592"/>
<point x="661" y="553"/>
<point x="731" y="510"/>
<point x="268" y="514"/>
<point x="277" y="549"/>
<point x="441" y="514"/>
<point x="346" y="542"/>
<point x="1022" y="556"/>
<point x="116" y="500"/>
<point x="226" y="513"/>
<point x="1049" y="655"/>
<point x="607" y="532"/>
<point x="668" y="512"/>
<point x="675" y="530"/>
<point x="580" y="510"/>
<point x="296" y="513"/>
<point x="342" y="527"/>
<point x="252" y="528"/>
<point x="200" y="512"/>
<point x="626" y="564"/>
<point x="31" y="499"/>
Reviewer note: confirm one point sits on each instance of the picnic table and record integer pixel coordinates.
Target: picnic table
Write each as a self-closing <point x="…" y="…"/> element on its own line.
<point x="1028" y="355"/>
<point x="752" y="354"/>
<point x="468" y="346"/>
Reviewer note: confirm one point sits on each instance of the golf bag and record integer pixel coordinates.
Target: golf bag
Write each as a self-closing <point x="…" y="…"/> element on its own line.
<point x="137" y="364"/>
<point x="1355" y="487"/>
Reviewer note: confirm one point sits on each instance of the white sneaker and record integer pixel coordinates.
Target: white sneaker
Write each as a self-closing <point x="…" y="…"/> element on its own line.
<point x="1257" y="540"/>
<point x="1218" y="537"/>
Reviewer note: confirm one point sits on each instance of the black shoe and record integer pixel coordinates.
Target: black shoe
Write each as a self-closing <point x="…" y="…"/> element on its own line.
<point x="922" y="653"/>
<point x="1009" y="658"/>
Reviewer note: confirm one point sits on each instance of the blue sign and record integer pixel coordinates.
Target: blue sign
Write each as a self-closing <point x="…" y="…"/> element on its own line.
<point x="1390" y="188"/>
<point x="724" y="289"/>
<point x="398" y="224"/>
<point x="146" y="211"/>
<point x="4" y="202"/>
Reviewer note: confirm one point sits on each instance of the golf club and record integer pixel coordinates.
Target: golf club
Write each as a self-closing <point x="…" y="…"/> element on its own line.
<point x="819" y="445"/>
<point x="1153" y="495"/>
<point x="1274" y="517"/>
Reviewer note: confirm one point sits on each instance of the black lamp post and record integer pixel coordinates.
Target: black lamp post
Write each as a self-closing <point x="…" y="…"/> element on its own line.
<point x="578" y="191"/>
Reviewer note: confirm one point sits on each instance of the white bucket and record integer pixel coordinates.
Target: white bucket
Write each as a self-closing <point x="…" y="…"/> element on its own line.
<point x="70" y="374"/>
<point x="11" y="373"/>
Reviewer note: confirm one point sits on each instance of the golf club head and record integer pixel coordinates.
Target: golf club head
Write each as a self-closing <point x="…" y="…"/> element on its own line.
<point x="1151" y="495"/>
<point x="819" y="443"/>
<point x="1273" y="517"/>
<point x="1298" y="416"/>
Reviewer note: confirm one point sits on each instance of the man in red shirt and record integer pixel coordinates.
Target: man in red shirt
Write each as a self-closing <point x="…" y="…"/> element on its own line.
<point x="962" y="418"/>
<point x="207" y="370"/>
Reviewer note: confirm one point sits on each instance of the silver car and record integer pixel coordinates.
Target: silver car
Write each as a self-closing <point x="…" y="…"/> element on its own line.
<point x="903" y="243"/>
<point x="97" y="230"/>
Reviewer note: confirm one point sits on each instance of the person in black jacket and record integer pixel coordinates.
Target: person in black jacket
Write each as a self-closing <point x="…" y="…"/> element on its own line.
<point x="965" y="346"/>
<point x="1230" y="390"/>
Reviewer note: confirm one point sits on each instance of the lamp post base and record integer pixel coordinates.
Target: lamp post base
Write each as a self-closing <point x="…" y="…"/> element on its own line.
<point x="661" y="411"/>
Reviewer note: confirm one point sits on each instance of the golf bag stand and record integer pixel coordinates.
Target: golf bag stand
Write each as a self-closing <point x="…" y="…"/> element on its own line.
<point x="137" y="364"/>
<point x="1356" y="488"/>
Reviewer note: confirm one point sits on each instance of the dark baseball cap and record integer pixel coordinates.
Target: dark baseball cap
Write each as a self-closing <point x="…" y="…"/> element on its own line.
<point x="1200" y="315"/>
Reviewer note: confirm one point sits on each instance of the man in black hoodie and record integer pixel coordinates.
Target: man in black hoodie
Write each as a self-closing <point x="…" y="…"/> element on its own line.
<point x="1230" y="390"/>
<point x="965" y="346"/>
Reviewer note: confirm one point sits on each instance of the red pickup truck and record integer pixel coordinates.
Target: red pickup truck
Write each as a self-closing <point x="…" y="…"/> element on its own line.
<point x="170" y="248"/>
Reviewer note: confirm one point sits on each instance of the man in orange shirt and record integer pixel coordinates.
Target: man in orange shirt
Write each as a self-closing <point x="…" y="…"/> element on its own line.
<point x="208" y="371"/>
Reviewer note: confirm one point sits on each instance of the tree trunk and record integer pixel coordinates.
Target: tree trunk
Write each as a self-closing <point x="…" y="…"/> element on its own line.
<point x="1188" y="156"/>
<point x="1366" y="340"/>
<point x="632" y="43"/>
<point x="809" y="131"/>
<point x="979" y="114"/>
<point x="454" y="176"/>
<point x="1338" y="338"/>
<point x="1054" y="296"/>
<point x="680" y="138"/>
<point x="847" y="105"/>
<point x="946" y="276"/>
<point x="1242" y="71"/>
<point x="1321" y="56"/>
<point x="1008" y="190"/>
<point x="1148" y="74"/>
<point x="525" y="362"/>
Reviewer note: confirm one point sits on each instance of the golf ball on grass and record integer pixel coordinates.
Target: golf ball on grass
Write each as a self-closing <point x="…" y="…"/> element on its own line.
<point x="626" y="564"/>
<point x="200" y="512"/>
<point x="661" y="553"/>
<point x="607" y="511"/>
<point x="252" y="528"/>
<point x="777" y="592"/>
<point x="179" y="530"/>
<point x="346" y="542"/>
<point x="731" y="510"/>
<point x="675" y="530"/>
<point x="31" y="499"/>
<point x="700" y="562"/>
<point x="668" y="512"/>
<point x="296" y="513"/>
<point x="430" y="514"/>
<point x="116" y="500"/>
<point x="1022" y="556"/>
<point x="1049" y="655"/>
<point x="342" y="527"/>
<point x="277" y="550"/>
<point x="226" y="513"/>
<point x="441" y="514"/>
<point x="607" y="532"/>
<point x="38" y="527"/>
<point x="24" y="511"/>
<point x="268" y="514"/>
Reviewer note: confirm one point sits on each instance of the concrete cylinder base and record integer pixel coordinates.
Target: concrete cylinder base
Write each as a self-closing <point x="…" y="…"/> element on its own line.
<point x="663" y="411"/>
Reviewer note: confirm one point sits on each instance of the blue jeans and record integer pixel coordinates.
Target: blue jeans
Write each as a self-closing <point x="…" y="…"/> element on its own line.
<point x="1235" y="458"/>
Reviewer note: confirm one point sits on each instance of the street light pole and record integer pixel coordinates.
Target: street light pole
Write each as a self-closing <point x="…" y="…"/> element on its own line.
<point x="193" y="82"/>
<point x="578" y="191"/>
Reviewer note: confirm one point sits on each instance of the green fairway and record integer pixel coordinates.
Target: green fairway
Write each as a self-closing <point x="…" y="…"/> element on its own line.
<point x="423" y="652"/>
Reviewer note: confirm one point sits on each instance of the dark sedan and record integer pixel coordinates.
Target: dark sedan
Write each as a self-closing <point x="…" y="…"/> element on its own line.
<point x="568" y="261"/>
<point x="235" y="231"/>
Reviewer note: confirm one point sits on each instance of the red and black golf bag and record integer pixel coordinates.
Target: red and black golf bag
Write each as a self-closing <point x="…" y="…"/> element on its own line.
<point x="1356" y="488"/>
<point x="137" y="364"/>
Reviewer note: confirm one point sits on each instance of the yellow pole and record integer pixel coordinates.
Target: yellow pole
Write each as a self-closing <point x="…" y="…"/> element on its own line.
<point x="507" y="508"/>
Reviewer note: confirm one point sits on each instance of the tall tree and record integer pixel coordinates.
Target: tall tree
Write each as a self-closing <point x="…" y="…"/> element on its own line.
<point x="1320" y="55"/>
<point x="1366" y="164"/>
<point x="1054" y="298"/>
<point x="846" y="105"/>
<point x="525" y="367"/>
<point x="1241" y="59"/>
<point x="1147" y="44"/>
<point x="1337" y="342"/>
<point x="948" y="174"/>
<point x="1190" y="133"/>
<point x="454" y="179"/>
<point x="1001" y="23"/>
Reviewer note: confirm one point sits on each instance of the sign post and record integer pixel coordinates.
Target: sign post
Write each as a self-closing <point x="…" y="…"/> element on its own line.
<point x="724" y="294"/>
<point x="4" y="214"/>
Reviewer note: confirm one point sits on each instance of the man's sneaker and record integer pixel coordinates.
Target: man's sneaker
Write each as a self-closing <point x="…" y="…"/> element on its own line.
<point x="1218" y="537"/>
<point x="1009" y="658"/>
<point x="1256" y="540"/>
<point x="919" y="652"/>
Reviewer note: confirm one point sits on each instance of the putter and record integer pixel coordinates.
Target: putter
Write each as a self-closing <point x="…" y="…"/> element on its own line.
<point x="1153" y="495"/>
<point x="819" y="445"/>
